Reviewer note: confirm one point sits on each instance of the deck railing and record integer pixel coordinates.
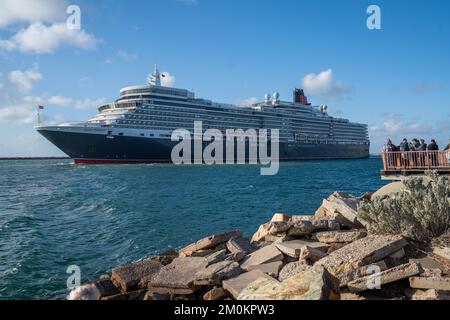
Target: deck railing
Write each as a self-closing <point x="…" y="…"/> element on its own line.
<point x="415" y="160"/>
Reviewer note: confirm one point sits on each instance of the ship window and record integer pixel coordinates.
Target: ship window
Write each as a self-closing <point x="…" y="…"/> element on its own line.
<point x="142" y="134"/>
<point x="120" y="133"/>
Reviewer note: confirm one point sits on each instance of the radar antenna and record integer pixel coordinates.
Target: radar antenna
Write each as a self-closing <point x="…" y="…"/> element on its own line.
<point x="155" y="78"/>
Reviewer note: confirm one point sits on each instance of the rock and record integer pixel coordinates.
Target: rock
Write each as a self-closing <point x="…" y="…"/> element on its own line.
<point x="317" y="222"/>
<point x="400" y="254"/>
<point x="293" y="248"/>
<point x="215" y="273"/>
<point x="345" y="205"/>
<point x="362" y="272"/>
<point x="235" y="285"/>
<point x="340" y="236"/>
<point x="277" y="238"/>
<point x="442" y="252"/>
<point x="239" y="244"/>
<point x="266" y="254"/>
<point x="216" y="294"/>
<point x="164" y="259"/>
<point x="237" y="257"/>
<point x="269" y="228"/>
<point x="272" y="268"/>
<point x="431" y="272"/>
<point x="261" y="289"/>
<point x="261" y="233"/>
<point x="351" y="296"/>
<point x="278" y="227"/>
<point x="209" y="242"/>
<point x="311" y="254"/>
<point x="430" y="294"/>
<point x="291" y="269"/>
<point x="280" y="217"/>
<point x="180" y="273"/>
<point x="325" y="224"/>
<point x="387" y="276"/>
<point x="302" y="217"/>
<point x="335" y="246"/>
<point x="428" y="262"/>
<point x="170" y="291"/>
<point x="361" y="252"/>
<point x="149" y="295"/>
<point x="300" y="228"/>
<point x="313" y="284"/>
<point x="389" y="189"/>
<point x="436" y="282"/>
<point x="106" y="287"/>
<point x="135" y="275"/>
<point x="133" y="295"/>
<point x="216" y="257"/>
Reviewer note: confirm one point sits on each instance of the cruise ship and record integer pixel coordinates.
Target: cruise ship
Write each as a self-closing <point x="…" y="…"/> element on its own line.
<point x="137" y="127"/>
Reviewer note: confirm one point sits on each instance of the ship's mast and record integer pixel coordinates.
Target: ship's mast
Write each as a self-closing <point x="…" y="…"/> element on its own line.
<point x="155" y="78"/>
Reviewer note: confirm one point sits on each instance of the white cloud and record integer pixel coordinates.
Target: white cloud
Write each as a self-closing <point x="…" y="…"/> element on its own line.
<point x="39" y="38"/>
<point x="23" y="81"/>
<point x="127" y="56"/>
<point x="75" y="103"/>
<point x="247" y="102"/>
<point x="167" y="79"/>
<point x="89" y="103"/>
<point x="16" y="11"/>
<point x="323" y="84"/>
<point x="60" y="101"/>
<point x="20" y="114"/>
<point x="23" y="110"/>
<point x="396" y="126"/>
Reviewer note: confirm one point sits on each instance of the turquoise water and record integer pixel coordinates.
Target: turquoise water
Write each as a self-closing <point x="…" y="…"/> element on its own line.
<point x="54" y="214"/>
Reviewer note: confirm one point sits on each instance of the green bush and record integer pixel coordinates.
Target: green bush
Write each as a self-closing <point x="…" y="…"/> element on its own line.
<point x="420" y="212"/>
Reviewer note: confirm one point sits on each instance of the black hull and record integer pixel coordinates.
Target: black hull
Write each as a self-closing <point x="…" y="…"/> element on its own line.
<point x="98" y="148"/>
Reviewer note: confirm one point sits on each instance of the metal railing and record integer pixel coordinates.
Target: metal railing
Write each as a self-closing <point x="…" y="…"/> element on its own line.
<point x="415" y="160"/>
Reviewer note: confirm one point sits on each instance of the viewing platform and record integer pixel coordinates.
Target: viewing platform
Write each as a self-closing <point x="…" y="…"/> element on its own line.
<point x="398" y="164"/>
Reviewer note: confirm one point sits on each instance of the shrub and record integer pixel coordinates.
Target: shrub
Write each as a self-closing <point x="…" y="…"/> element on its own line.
<point x="420" y="212"/>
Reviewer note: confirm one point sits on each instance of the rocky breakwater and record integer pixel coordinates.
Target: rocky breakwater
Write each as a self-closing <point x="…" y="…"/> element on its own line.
<point x="328" y="255"/>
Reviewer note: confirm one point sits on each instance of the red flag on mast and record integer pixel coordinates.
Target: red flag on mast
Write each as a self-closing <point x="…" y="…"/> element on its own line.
<point x="41" y="107"/>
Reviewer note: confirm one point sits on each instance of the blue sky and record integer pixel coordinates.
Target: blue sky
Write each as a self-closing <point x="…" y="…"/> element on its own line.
<point x="395" y="79"/>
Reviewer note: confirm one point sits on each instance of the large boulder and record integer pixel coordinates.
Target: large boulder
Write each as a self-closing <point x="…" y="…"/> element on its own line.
<point x="384" y="277"/>
<point x="291" y="269"/>
<point x="340" y="235"/>
<point x="235" y="285"/>
<point x="180" y="273"/>
<point x="313" y="284"/>
<point x="389" y="189"/>
<point x="135" y="275"/>
<point x="361" y="252"/>
<point x="215" y="273"/>
<point x="209" y="242"/>
<point x="266" y="254"/>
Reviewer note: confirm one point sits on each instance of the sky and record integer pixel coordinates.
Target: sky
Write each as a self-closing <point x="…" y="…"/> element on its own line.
<point x="395" y="79"/>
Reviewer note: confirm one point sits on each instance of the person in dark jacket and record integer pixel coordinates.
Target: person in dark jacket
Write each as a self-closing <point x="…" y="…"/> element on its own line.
<point x="422" y="145"/>
<point x="414" y="144"/>
<point x="433" y="146"/>
<point x="404" y="145"/>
